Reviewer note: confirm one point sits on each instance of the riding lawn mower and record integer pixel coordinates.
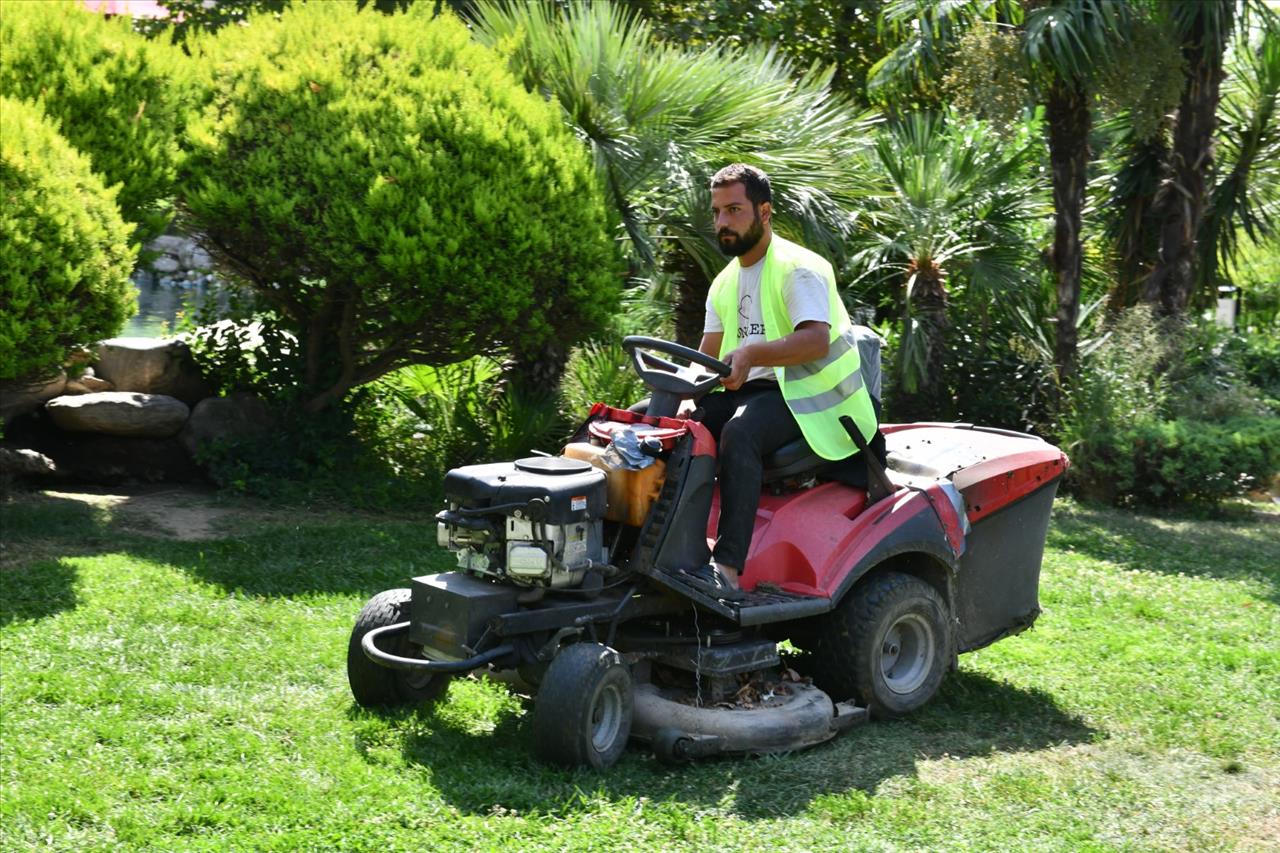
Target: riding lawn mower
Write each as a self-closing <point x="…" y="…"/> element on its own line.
<point x="579" y="572"/>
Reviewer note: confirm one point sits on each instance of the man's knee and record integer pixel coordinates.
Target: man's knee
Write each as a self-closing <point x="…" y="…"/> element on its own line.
<point x="737" y="439"/>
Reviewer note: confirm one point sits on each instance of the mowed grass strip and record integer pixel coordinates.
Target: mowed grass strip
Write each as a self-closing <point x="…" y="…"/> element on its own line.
<point x="191" y="695"/>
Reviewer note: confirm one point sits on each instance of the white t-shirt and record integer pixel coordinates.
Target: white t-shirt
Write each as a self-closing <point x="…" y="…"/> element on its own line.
<point x="806" y="295"/>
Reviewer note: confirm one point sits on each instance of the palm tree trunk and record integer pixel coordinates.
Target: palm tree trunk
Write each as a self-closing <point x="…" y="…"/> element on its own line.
<point x="692" y="287"/>
<point x="922" y="388"/>
<point x="1069" y="118"/>
<point x="535" y="371"/>
<point x="1136" y="238"/>
<point x="1180" y="202"/>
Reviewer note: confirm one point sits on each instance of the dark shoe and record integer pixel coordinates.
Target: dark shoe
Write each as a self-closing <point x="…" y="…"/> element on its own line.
<point x="709" y="580"/>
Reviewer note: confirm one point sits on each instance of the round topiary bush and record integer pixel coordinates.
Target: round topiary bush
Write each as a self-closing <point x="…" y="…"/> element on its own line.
<point x="64" y="256"/>
<point x="394" y="194"/>
<point x="120" y="99"/>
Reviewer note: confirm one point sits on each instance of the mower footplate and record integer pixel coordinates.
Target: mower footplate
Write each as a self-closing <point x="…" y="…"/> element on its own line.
<point x="755" y="607"/>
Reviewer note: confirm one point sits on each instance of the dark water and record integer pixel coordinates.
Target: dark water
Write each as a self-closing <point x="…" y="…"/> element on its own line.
<point x="164" y="302"/>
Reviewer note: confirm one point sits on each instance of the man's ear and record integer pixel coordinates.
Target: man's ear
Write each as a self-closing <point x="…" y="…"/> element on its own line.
<point x="766" y="212"/>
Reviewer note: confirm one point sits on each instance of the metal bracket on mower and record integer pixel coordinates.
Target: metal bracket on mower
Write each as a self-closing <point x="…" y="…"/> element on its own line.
<point x="391" y="661"/>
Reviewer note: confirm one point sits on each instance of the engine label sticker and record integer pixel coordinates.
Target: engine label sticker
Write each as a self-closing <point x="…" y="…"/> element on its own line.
<point x="577" y="502"/>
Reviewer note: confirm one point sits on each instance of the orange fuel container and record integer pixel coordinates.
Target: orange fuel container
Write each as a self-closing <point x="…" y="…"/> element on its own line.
<point x="631" y="492"/>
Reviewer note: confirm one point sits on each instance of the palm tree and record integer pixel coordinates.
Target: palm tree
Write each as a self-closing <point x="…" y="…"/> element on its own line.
<point x="1205" y="28"/>
<point x="1247" y="195"/>
<point x="1066" y="43"/>
<point x="952" y="205"/>
<point x="1241" y="186"/>
<point x="659" y="121"/>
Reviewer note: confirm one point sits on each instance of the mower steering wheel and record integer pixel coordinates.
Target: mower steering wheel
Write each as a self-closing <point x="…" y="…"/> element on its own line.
<point x="666" y="376"/>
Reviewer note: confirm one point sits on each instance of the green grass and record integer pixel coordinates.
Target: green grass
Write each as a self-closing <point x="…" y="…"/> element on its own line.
<point x="191" y="695"/>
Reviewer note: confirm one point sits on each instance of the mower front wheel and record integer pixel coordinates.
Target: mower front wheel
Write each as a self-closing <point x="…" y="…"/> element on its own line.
<point x="373" y="685"/>
<point x="887" y="645"/>
<point x="582" y="715"/>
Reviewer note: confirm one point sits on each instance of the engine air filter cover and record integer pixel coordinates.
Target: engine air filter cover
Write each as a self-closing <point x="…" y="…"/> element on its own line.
<point x="553" y="465"/>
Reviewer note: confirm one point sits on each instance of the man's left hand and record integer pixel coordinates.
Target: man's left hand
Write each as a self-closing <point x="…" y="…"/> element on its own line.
<point x="741" y="361"/>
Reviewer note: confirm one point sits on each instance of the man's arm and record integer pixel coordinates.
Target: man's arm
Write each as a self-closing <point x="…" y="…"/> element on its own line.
<point x="711" y="343"/>
<point x="810" y="341"/>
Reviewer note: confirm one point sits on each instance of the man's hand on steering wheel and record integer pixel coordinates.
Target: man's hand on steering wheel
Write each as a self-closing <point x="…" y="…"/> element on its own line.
<point x="741" y="361"/>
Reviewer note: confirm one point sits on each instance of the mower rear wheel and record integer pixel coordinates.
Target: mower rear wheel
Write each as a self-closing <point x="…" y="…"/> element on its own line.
<point x="373" y="685"/>
<point x="582" y="715"/>
<point x="887" y="645"/>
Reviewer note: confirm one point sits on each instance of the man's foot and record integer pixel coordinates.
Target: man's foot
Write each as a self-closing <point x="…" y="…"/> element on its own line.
<point x="716" y="581"/>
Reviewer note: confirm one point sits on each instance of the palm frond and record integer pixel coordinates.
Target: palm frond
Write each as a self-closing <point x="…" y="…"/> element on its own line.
<point x="1247" y="197"/>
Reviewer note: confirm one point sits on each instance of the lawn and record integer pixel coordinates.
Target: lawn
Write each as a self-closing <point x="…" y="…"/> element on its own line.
<point x="190" y="694"/>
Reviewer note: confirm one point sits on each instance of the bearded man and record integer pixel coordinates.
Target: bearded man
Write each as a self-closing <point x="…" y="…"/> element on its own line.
<point x="773" y="314"/>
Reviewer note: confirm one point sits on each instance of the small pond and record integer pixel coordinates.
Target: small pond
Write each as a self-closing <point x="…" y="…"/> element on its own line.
<point x="164" y="300"/>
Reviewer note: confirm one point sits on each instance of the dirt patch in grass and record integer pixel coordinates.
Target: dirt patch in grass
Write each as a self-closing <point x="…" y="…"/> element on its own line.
<point x="188" y="513"/>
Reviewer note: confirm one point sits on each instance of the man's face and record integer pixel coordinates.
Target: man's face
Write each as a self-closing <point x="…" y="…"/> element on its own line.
<point x="739" y="224"/>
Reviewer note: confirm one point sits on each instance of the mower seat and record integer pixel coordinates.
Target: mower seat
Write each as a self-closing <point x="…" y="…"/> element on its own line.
<point x="791" y="460"/>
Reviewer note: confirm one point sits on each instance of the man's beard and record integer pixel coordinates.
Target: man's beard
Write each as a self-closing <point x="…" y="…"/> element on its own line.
<point x="734" y="245"/>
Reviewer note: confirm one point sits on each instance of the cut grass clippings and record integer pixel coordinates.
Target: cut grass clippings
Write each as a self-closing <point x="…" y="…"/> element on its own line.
<point x="191" y="695"/>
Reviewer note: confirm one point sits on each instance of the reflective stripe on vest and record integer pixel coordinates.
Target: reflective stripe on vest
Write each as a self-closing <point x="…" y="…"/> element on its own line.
<point x="817" y="392"/>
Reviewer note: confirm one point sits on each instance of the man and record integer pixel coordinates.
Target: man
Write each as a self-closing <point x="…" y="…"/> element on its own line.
<point x="774" y="316"/>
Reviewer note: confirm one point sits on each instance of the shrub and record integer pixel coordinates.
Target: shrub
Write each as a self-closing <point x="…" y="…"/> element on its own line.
<point x="120" y="99"/>
<point x="1165" y="463"/>
<point x="1160" y="415"/>
<point x="394" y="194"/>
<point x="64" y="257"/>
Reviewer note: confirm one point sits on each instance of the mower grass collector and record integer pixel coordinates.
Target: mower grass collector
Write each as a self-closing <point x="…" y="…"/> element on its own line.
<point x="577" y="571"/>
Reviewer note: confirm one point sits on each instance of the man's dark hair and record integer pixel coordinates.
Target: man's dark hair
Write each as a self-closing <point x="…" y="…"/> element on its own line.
<point x="753" y="180"/>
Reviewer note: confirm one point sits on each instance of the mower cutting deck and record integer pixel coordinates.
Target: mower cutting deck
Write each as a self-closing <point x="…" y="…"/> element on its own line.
<point x="580" y="572"/>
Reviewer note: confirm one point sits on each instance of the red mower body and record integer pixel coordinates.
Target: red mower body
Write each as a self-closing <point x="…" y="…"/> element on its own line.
<point x="972" y="500"/>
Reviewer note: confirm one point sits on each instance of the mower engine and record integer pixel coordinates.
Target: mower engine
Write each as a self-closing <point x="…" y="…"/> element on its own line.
<point x="535" y="522"/>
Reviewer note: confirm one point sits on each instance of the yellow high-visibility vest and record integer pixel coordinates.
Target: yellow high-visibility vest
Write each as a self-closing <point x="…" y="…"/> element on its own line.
<point x="817" y="392"/>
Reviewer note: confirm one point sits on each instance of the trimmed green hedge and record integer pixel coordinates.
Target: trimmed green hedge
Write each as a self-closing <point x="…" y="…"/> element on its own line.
<point x="1164" y="463"/>
<point x="120" y="99"/>
<point x="64" y="256"/>
<point x="393" y="193"/>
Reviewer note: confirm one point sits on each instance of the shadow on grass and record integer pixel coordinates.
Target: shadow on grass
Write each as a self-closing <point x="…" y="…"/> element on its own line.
<point x="271" y="560"/>
<point x="36" y="581"/>
<point x="973" y="715"/>
<point x="1234" y="547"/>
<point x="36" y="591"/>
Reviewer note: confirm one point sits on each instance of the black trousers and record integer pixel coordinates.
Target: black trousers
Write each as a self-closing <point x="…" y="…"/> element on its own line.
<point x="748" y="424"/>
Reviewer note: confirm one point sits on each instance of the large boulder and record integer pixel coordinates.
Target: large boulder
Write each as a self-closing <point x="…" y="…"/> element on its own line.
<point x="120" y="413"/>
<point x="18" y="399"/>
<point x="225" y="419"/>
<point x="151" y="366"/>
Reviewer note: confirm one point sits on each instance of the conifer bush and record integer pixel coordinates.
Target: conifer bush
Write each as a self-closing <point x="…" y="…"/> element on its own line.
<point x="64" y="256"/>
<point x="394" y="194"/>
<point x="120" y="99"/>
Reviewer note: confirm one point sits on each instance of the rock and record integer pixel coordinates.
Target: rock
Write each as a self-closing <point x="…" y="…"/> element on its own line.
<point x="88" y="383"/>
<point x="196" y="258"/>
<point x="165" y="263"/>
<point x="171" y="244"/>
<point x="122" y="413"/>
<point x="222" y="419"/>
<point x="109" y="460"/>
<point x="21" y="462"/>
<point x="151" y="366"/>
<point x="17" y="399"/>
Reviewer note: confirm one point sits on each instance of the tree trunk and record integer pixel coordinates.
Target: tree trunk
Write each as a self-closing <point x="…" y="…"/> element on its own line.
<point x="1069" y="118"/>
<point x="691" y="298"/>
<point x="537" y="371"/>
<point x="1180" y="202"/>
<point x="1134" y="230"/>
<point x="929" y="309"/>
